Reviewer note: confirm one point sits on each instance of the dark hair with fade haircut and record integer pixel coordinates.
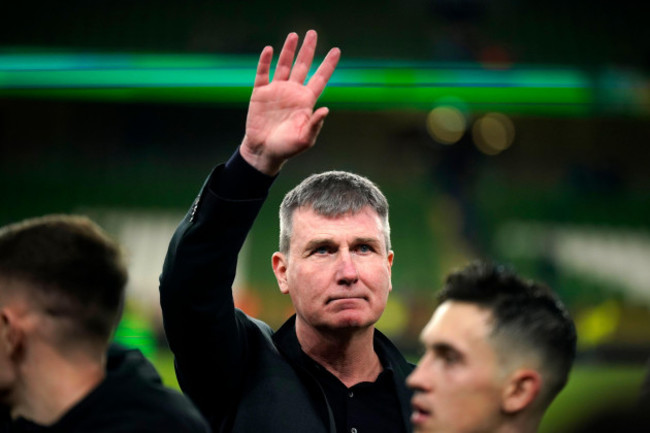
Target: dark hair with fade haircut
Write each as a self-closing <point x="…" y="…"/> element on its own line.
<point x="331" y="194"/>
<point x="72" y="270"/>
<point x="528" y="314"/>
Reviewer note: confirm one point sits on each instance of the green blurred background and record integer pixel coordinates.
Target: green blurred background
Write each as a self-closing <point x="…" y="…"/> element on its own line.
<point x="516" y="131"/>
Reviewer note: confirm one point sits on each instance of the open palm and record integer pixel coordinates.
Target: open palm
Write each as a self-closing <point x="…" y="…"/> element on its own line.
<point x="281" y="120"/>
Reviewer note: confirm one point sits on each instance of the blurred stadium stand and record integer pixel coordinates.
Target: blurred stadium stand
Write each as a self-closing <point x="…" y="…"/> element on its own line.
<point x="512" y="130"/>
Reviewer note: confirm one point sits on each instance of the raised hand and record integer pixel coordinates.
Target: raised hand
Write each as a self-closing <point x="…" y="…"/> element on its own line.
<point x="281" y="120"/>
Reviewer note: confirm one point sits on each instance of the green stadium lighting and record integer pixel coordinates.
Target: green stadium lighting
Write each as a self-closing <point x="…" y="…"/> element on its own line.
<point x="356" y="85"/>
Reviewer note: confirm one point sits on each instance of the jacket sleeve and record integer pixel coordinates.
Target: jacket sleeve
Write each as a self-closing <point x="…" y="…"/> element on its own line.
<point x="208" y="336"/>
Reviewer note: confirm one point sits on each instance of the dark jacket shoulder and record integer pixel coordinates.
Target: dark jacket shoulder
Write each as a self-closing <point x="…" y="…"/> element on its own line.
<point x="131" y="399"/>
<point x="134" y="394"/>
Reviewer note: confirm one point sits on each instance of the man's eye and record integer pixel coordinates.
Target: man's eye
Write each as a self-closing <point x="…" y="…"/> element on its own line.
<point x="364" y="248"/>
<point x="321" y="250"/>
<point x="451" y="358"/>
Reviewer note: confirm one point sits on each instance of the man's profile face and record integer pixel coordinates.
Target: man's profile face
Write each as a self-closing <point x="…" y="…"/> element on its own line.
<point x="457" y="382"/>
<point x="338" y="271"/>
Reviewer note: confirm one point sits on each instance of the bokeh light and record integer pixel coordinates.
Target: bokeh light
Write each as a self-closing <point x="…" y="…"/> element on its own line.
<point x="446" y="124"/>
<point x="493" y="133"/>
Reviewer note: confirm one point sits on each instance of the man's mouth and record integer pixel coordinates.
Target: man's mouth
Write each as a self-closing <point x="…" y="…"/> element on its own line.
<point x="419" y="414"/>
<point x="347" y="298"/>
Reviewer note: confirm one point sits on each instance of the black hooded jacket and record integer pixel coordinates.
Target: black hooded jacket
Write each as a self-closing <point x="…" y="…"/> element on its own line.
<point x="131" y="399"/>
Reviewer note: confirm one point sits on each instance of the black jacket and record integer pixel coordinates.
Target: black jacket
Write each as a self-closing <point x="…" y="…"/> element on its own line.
<point x="131" y="399"/>
<point x="241" y="375"/>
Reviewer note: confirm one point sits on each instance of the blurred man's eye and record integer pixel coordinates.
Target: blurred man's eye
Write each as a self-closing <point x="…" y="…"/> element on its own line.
<point x="448" y="356"/>
<point x="451" y="358"/>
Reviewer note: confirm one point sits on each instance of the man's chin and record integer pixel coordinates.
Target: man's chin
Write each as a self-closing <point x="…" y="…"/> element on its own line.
<point x="348" y="320"/>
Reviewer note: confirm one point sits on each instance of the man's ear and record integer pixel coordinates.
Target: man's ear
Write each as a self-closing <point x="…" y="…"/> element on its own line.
<point x="11" y="334"/>
<point x="389" y="263"/>
<point x="279" y="263"/>
<point x="521" y="390"/>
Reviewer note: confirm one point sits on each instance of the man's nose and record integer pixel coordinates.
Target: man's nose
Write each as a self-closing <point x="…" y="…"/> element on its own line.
<point x="347" y="268"/>
<point x="416" y="380"/>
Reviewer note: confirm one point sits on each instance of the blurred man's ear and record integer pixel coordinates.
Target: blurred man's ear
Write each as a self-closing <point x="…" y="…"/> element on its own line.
<point x="10" y="332"/>
<point x="521" y="390"/>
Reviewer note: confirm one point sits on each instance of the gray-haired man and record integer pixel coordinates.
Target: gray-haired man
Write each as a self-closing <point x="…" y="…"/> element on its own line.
<point x="326" y="369"/>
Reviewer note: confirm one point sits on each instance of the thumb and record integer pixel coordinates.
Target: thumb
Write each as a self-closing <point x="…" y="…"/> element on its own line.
<point x="316" y="123"/>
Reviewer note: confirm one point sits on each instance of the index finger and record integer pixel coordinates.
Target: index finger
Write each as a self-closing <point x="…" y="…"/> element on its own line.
<point x="322" y="75"/>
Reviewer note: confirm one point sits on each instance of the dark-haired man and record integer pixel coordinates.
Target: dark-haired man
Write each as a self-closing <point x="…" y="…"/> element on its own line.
<point x="61" y="292"/>
<point x="498" y="349"/>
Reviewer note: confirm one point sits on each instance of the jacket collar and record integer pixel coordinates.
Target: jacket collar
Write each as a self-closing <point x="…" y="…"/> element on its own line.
<point x="286" y="341"/>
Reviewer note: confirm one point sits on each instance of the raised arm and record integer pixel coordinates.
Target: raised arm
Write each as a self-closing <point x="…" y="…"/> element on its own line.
<point x="281" y="120"/>
<point x="209" y="337"/>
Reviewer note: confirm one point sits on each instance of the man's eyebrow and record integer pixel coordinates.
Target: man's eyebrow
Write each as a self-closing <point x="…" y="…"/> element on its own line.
<point x="444" y="347"/>
<point x="319" y="242"/>
<point x="367" y="240"/>
<point x="440" y="347"/>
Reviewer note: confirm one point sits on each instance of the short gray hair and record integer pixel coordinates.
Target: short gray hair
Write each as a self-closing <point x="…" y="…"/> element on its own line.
<point x="331" y="194"/>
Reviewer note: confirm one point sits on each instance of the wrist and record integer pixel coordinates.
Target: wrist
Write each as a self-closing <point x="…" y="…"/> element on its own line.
<point x="255" y="156"/>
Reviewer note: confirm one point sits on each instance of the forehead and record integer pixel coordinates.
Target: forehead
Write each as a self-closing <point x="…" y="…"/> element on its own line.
<point x="461" y="324"/>
<point x="306" y="222"/>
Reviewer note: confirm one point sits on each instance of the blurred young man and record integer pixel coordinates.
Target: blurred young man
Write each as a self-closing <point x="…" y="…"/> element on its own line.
<point x="498" y="350"/>
<point x="61" y="292"/>
<point x="326" y="369"/>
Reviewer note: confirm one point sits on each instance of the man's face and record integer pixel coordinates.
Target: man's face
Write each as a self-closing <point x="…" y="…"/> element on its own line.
<point x="457" y="383"/>
<point x="337" y="271"/>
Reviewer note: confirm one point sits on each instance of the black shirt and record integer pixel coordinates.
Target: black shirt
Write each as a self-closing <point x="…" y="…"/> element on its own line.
<point x="367" y="407"/>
